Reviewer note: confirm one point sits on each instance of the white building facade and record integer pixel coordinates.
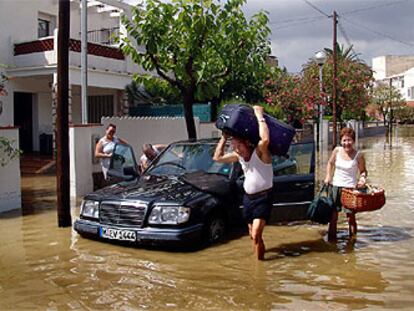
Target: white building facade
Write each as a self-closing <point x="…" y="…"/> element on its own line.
<point x="397" y="70"/>
<point x="28" y="49"/>
<point x="28" y="57"/>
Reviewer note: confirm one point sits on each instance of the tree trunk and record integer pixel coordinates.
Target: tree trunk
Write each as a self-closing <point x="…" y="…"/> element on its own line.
<point x="214" y="108"/>
<point x="189" y="116"/>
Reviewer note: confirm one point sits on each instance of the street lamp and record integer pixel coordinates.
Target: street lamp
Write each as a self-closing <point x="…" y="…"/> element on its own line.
<point x="320" y="58"/>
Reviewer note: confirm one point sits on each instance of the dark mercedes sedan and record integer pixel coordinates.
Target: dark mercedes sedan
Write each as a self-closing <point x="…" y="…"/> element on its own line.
<point x="185" y="197"/>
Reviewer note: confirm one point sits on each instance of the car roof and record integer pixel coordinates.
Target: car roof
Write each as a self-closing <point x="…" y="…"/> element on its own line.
<point x="200" y="141"/>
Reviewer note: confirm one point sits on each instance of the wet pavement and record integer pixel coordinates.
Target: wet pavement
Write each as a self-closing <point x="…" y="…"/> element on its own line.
<point x="43" y="267"/>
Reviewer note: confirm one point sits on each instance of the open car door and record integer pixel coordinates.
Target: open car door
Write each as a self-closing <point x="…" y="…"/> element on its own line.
<point x="123" y="166"/>
<point x="293" y="183"/>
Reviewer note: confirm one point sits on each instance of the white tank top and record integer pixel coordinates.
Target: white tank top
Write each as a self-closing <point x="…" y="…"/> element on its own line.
<point x="107" y="147"/>
<point x="258" y="176"/>
<point x="345" y="171"/>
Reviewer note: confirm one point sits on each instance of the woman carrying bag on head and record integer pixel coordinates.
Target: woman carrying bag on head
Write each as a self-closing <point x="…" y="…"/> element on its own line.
<point x="344" y="166"/>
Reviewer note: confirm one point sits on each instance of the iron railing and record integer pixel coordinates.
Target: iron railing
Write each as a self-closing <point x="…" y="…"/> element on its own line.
<point x="105" y="36"/>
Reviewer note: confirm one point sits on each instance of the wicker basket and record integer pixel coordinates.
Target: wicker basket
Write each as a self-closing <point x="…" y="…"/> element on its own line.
<point x="358" y="201"/>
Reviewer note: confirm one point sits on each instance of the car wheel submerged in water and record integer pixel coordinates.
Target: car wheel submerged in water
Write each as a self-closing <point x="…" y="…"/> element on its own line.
<point x="215" y="228"/>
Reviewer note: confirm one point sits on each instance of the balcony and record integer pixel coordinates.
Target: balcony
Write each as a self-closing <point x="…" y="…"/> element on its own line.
<point x="42" y="53"/>
<point x="106" y="36"/>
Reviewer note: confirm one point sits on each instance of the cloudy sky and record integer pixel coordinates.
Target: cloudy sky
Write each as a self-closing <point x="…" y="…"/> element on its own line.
<point x="300" y="28"/>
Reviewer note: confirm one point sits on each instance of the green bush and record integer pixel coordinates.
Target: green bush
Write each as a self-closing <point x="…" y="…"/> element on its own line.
<point x="405" y="115"/>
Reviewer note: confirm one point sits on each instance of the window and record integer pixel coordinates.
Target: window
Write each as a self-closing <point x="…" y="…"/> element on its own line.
<point x="123" y="156"/>
<point x="43" y="28"/>
<point x="411" y="92"/>
<point x="100" y="106"/>
<point x="46" y="24"/>
<point x="298" y="162"/>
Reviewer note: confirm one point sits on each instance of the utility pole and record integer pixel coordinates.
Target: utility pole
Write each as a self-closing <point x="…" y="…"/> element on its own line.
<point x="84" y="61"/>
<point x="334" y="81"/>
<point x="390" y="115"/>
<point x="62" y="117"/>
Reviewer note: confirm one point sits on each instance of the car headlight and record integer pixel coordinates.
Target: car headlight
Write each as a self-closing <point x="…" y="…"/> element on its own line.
<point x="169" y="215"/>
<point x="90" y="209"/>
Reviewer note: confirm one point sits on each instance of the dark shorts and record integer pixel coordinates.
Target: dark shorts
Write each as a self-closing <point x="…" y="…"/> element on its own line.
<point x="257" y="206"/>
<point x="335" y="193"/>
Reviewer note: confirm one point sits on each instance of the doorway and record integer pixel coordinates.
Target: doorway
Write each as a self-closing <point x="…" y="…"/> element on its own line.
<point x="23" y="118"/>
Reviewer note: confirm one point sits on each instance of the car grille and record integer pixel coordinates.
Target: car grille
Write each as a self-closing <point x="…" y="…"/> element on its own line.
<point x="123" y="213"/>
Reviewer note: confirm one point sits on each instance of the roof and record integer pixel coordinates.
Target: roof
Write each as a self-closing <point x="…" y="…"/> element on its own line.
<point x="410" y="103"/>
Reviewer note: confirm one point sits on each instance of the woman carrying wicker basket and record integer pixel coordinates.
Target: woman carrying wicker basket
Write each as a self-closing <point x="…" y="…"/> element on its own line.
<point x="344" y="166"/>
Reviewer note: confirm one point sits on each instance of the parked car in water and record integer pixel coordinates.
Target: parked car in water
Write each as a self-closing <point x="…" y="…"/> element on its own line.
<point x="185" y="197"/>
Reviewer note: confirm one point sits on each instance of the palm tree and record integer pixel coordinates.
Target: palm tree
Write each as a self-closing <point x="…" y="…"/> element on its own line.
<point x="345" y="53"/>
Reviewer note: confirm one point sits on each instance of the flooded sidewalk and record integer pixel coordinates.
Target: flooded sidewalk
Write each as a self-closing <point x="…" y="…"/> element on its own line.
<point x="43" y="267"/>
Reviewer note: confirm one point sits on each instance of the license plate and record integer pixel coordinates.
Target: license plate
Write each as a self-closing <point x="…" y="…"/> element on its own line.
<point x="118" y="234"/>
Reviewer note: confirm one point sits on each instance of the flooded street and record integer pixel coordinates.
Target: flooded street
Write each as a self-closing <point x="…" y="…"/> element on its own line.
<point x="43" y="267"/>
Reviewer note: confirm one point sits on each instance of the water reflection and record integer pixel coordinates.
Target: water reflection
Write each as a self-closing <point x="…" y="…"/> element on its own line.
<point x="327" y="274"/>
<point x="46" y="267"/>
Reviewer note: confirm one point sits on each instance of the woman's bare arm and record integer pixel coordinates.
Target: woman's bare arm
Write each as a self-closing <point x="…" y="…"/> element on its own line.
<point x="362" y="172"/>
<point x="220" y="156"/>
<point x="330" y="167"/>
<point x="263" y="145"/>
<point x="99" y="151"/>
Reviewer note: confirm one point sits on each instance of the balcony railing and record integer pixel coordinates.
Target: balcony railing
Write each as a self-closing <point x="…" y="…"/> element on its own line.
<point x="44" y="45"/>
<point x="105" y="36"/>
<point x="41" y="45"/>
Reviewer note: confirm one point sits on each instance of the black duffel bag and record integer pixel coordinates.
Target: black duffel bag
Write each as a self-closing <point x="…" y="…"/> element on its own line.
<point x="321" y="208"/>
<point x="239" y="120"/>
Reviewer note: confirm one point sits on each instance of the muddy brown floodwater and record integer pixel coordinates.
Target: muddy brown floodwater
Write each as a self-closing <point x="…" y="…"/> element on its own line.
<point x="43" y="267"/>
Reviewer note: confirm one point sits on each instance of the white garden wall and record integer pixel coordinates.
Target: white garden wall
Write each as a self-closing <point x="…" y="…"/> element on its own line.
<point x="10" y="190"/>
<point x="155" y="130"/>
<point x="82" y="160"/>
<point x="135" y="130"/>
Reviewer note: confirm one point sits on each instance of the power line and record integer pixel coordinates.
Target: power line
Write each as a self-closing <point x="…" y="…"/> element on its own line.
<point x="298" y="23"/>
<point x="295" y="20"/>
<point x="375" y="7"/>
<point x="376" y="32"/>
<point x="316" y="8"/>
<point x="345" y="35"/>
<point x="302" y="20"/>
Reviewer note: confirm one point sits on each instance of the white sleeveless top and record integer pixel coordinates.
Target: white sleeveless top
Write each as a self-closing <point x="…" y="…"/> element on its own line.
<point x="258" y="176"/>
<point x="345" y="171"/>
<point x="107" y="147"/>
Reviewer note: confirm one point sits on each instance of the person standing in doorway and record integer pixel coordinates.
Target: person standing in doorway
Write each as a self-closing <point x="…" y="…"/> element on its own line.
<point x="342" y="172"/>
<point x="256" y="162"/>
<point x="105" y="147"/>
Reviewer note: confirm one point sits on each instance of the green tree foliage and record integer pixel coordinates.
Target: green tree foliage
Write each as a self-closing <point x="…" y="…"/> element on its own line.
<point x="354" y="79"/>
<point x="287" y="95"/>
<point x="152" y="93"/>
<point x="387" y="100"/>
<point x="205" y="51"/>
<point x="405" y="115"/>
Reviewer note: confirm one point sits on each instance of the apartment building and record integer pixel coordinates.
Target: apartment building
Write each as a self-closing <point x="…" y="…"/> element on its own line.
<point x="397" y="70"/>
<point x="28" y="49"/>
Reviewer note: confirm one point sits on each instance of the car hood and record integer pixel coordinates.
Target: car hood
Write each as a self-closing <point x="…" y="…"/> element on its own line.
<point x="151" y="188"/>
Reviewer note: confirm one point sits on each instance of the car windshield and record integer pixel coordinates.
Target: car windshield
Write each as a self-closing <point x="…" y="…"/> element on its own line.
<point x="181" y="158"/>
